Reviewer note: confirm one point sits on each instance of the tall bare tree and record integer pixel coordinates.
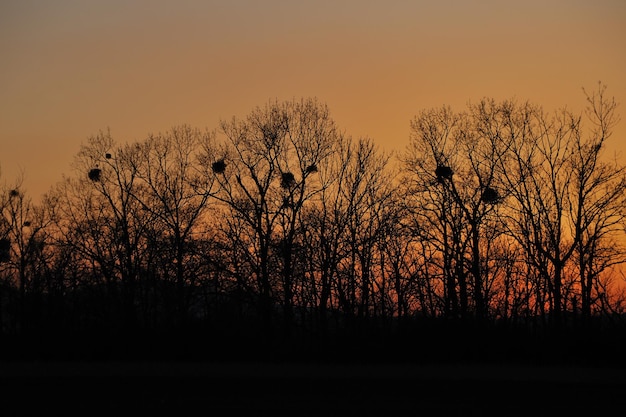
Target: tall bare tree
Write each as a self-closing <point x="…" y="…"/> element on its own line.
<point x="174" y="191"/>
<point x="103" y="217"/>
<point x="266" y="174"/>
<point x="22" y="239"/>
<point x="596" y="203"/>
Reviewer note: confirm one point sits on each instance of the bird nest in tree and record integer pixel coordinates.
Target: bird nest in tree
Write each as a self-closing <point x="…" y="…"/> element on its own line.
<point x="107" y="156"/>
<point x="443" y="171"/>
<point x="94" y="174"/>
<point x="219" y="166"/>
<point x="14" y="193"/>
<point x="287" y="180"/>
<point x="490" y="195"/>
<point x="311" y="168"/>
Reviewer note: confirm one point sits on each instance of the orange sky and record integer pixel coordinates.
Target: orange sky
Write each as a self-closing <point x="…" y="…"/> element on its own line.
<point x="69" y="68"/>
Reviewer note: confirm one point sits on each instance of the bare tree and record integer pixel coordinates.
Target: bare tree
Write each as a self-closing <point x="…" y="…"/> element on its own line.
<point x="564" y="200"/>
<point x="597" y="200"/>
<point x="24" y="252"/>
<point x="266" y="175"/>
<point x="453" y="193"/>
<point x="173" y="190"/>
<point x="428" y="163"/>
<point x="104" y="217"/>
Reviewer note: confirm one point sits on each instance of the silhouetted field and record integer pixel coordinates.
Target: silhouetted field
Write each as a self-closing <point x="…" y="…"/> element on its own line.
<point x="419" y="341"/>
<point x="444" y="371"/>
<point x="309" y="389"/>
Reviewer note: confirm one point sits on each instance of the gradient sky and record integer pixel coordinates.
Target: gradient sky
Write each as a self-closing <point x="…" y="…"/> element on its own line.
<point x="70" y="68"/>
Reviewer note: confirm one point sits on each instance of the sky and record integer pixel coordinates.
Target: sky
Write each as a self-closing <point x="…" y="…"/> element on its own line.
<point x="72" y="68"/>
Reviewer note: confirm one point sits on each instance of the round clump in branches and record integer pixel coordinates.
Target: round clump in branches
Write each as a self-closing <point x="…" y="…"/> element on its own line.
<point x="287" y="180"/>
<point x="219" y="166"/>
<point x="14" y="193"/>
<point x="443" y="171"/>
<point x="490" y="195"/>
<point x="94" y="174"/>
<point x="311" y="168"/>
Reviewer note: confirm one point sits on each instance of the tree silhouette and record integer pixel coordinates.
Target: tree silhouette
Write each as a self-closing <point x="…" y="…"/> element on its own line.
<point x="277" y="227"/>
<point x="175" y="193"/>
<point x="271" y="155"/>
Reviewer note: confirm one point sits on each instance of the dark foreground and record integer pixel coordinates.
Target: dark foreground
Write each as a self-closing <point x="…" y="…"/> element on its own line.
<point x="308" y="389"/>
<point x="440" y="372"/>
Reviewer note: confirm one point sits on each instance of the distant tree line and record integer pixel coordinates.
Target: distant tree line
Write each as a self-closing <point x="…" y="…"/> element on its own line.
<point x="500" y="213"/>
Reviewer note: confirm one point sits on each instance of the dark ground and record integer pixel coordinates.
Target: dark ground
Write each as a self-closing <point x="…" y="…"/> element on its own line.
<point x="455" y="373"/>
<point x="203" y="388"/>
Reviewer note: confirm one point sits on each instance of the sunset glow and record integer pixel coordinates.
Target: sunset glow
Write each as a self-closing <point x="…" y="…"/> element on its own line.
<point x="70" y="69"/>
<point x="313" y="207"/>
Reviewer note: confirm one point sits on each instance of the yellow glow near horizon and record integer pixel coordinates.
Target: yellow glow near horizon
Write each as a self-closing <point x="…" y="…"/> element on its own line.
<point x="70" y="68"/>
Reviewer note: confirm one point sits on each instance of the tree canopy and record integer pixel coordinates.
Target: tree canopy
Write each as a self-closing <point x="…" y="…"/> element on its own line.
<point x="500" y="214"/>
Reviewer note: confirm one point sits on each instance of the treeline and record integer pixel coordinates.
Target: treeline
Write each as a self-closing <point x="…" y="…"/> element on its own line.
<point x="281" y="222"/>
